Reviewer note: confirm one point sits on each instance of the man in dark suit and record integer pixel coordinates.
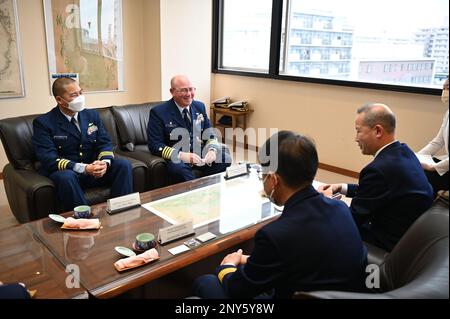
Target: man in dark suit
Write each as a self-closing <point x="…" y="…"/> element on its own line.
<point x="393" y="190"/>
<point x="180" y="132"/>
<point x="75" y="150"/>
<point x="313" y="245"/>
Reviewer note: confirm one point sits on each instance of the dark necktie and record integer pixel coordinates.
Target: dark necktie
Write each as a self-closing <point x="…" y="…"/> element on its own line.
<point x="186" y="119"/>
<point x="74" y="122"/>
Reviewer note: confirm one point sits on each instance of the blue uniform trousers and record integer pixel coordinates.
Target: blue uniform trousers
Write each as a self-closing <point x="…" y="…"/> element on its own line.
<point x="13" y="291"/>
<point x="209" y="286"/>
<point x="181" y="172"/>
<point x="70" y="185"/>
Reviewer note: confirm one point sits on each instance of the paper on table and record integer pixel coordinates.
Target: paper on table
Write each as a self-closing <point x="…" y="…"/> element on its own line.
<point x="425" y="159"/>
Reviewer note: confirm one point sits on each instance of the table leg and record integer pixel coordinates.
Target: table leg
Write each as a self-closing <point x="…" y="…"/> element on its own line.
<point x="245" y="136"/>
<point x="233" y="125"/>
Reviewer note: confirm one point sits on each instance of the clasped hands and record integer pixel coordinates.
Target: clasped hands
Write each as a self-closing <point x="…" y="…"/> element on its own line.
<point x="96" y="169"/>
<point x="194" y="159"/>
<point x="236" y="258"/>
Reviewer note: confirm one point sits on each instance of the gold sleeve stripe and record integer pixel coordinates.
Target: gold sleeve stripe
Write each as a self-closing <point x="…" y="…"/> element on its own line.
<point x="62" y="164"/>
<point x="105" y="153"/>
<point x="225" y="272"/>
<point x="167" y="152"/>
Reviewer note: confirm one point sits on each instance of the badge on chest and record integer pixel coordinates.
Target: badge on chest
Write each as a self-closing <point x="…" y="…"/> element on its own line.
<point x="91" y="128"/>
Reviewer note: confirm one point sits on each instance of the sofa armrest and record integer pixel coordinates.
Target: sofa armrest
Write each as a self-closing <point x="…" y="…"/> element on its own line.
<point x="157" y="175"/>
<point x="139" y="170"/>
<point x="30" y="195"/>
<point x="375" y="255"/>
<point x="331" y="294"/>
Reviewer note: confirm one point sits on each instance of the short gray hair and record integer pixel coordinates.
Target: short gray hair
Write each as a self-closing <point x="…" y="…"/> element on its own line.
<point x="378" y="114"/>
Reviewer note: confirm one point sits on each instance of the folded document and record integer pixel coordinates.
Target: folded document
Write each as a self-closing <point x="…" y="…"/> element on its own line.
<point x="425" y="159"/>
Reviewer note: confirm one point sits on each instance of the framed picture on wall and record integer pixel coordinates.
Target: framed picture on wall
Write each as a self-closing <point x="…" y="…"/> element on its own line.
<point x="11" y="72"/>
<point x="85" y="37"/>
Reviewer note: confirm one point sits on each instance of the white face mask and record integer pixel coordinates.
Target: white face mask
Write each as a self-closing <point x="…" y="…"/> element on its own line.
<point x="444" y="96"/>
<point x="77" y="104"/>
<point x="271" y="196"/>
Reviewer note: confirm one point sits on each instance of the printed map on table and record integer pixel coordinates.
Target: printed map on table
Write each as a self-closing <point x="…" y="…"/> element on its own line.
<point x="228" y="200"/>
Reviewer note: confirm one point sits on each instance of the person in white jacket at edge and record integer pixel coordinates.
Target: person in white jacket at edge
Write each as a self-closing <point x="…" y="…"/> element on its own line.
<point x="437" y="173"/>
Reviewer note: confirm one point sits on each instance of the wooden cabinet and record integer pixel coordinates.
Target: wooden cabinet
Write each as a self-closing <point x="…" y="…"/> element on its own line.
<point x="238" y="119"/>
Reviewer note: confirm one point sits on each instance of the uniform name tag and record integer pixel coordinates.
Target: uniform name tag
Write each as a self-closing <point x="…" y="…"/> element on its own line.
<point x="60" y="137"/>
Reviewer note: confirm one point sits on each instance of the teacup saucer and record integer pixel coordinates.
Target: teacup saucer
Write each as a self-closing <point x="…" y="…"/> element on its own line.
<point x="137" y="249"/>
<point x="57" y="218"/>
<point x="124" y="251"/>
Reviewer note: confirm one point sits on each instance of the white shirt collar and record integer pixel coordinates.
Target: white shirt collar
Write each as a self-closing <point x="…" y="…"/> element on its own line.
<point x="379" y="151"/>
<point x="182" y="108"/>
<point x="69" y="118"/>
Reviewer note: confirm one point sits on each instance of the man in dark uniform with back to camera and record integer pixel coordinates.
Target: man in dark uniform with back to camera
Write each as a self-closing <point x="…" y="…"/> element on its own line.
<point x="313" y="245"/>
<point x="180" y="132"/>
<point x="75" y="150"/>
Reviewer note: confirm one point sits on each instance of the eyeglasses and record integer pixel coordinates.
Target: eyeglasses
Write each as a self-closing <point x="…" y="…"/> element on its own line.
<point x="186" y="90"/>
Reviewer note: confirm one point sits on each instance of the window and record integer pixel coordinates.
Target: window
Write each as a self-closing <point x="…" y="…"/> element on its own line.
<point x="335" y="42"/>
<point x="89" y="25"/>
<point x="246" y="34"/>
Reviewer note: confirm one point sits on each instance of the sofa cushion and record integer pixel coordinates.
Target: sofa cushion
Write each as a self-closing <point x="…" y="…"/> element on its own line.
<point x="132" y="120"/>
<point x="109" y="123"/>
<point x="16" y="134"/>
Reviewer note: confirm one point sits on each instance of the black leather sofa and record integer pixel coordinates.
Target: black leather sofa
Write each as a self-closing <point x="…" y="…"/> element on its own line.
<point x="32" y="196"/>
<point x="132" y="121"/>
<point x="417" y="267"/>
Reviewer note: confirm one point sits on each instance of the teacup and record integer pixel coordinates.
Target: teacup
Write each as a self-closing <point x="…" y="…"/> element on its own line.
<point x="145" y="241"/>
<point x="83" y="211"/>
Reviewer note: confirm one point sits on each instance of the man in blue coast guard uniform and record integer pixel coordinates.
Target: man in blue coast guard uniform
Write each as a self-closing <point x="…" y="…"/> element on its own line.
<point x="75" y="150"/>
<point x="180" y="132"/>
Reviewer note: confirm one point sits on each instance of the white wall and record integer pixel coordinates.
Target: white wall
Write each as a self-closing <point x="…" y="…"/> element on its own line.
<point x="327" y="113"/>
<point x="186" y="44"/>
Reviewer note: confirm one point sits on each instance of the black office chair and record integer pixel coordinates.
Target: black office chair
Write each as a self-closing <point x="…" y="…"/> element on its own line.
<point x="417" y="267"/>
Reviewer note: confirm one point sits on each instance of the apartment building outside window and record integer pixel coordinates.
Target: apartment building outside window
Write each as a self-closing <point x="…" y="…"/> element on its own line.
<point x="337" y="42"/>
